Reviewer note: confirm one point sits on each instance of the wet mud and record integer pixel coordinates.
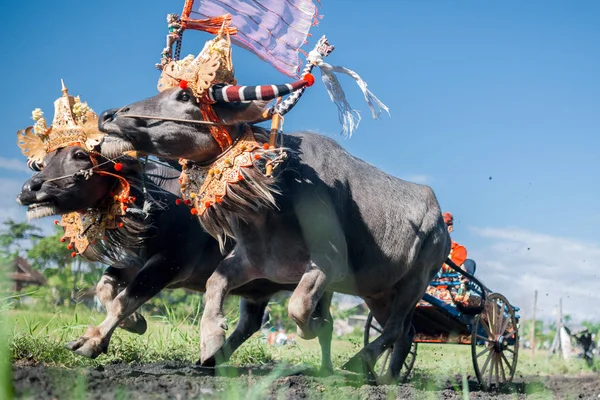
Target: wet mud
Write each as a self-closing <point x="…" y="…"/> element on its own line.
<point x="176" y="380"/>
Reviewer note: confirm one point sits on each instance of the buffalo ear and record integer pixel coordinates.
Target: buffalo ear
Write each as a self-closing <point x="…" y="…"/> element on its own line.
<point x="233" y="113"/>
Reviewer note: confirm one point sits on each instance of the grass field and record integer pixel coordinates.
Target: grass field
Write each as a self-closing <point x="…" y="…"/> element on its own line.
<point x="39" y="337"/>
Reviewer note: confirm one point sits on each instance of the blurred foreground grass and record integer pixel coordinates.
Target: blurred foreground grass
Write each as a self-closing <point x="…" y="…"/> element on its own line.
<point x="40" y="337"/>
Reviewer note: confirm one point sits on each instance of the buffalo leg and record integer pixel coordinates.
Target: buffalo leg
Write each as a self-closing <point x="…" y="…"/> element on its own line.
<point x="397" y="326"/>
<point x="401" y="349"/>
<point x="326" y="242"/>
<point x="326" y="332"/>
<point x="113" y="281"/>
<point x="251" y="314"/>
<point x="229" y="275"/>
<point x="145" y="285"/>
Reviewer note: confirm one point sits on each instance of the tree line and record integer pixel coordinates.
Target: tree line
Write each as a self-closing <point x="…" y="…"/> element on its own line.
<point x="69" y="277"/>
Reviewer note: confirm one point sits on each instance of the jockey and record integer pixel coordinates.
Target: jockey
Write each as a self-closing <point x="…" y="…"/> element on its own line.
<point x="458" y="252"/>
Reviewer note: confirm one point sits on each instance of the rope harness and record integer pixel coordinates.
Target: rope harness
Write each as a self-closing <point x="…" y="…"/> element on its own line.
<point x="275" y="113"/>
<point x="87" y="173"/>
<point x="190" y="121"/>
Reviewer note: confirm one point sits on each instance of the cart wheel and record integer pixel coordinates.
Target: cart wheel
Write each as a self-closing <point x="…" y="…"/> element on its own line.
<point x="495" y="343"/>
<point x="372" y="328"/>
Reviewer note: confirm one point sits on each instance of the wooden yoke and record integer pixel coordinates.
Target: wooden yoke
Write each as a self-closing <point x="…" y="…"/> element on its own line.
<point x="276" y="128"/>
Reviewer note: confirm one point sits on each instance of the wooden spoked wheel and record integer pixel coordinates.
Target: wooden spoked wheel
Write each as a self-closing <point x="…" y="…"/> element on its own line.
<point x="373" y="329"/>
<point x="495" y="343"/>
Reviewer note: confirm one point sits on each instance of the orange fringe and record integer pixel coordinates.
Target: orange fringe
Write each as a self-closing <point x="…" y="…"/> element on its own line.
<point x="187" y="9"/>
<point x="219" y="133"/>
<point x="210" y="25"/>
<point x="123" y="196"/>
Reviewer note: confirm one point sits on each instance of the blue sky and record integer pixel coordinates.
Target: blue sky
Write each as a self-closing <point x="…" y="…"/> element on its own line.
<point x="493" y="104"/>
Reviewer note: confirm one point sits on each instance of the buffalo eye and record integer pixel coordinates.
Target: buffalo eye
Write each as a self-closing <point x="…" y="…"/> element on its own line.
<point x="81" y="155"/>
<point x="184" y="96"/>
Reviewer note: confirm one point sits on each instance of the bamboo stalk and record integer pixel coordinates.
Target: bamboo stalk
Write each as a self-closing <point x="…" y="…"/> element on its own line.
<point x="275" y="126"/>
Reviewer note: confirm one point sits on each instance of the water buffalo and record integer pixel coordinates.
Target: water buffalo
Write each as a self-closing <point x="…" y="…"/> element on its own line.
<point x="159" y="246"/>
<point x="337" y="222"/>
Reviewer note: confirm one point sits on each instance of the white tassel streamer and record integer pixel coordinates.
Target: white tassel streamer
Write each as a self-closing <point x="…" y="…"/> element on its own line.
<point x="349" y="117"/>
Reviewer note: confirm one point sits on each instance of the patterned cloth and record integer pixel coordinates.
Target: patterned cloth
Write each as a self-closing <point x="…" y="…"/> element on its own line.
<point x="274" y="30"/>
<point x="452" y="294"/>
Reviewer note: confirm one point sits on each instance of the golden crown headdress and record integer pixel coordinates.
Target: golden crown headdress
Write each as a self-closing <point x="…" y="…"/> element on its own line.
<point x="213" y="65"/>
<point x="74" y="123"/>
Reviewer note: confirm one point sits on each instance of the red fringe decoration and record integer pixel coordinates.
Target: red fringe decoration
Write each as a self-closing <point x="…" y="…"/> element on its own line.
<point x="219" y="133"/>
<point x="210" y="25"/>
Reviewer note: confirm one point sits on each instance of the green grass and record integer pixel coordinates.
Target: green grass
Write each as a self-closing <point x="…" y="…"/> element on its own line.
<point x="6" y="389"/>
<point x="40" y="336"/>
<point x="448" y="360"/>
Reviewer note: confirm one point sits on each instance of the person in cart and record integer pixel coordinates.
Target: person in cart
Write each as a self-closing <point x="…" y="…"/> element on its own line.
<point x="456" y="290"/>
<point x="458" y="252"/>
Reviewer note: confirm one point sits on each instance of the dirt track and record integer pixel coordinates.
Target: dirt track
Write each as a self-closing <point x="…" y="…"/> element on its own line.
<point x="183" y="381"/>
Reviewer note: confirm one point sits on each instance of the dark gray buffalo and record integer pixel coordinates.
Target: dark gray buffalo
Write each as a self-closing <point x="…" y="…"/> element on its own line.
<point x="339" y="224"/>
<point x="160" y="247"/>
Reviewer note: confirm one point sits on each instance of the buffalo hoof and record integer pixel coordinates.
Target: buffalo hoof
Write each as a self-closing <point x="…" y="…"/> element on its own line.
<point x="212" y="339"/>
<point x="355" y="364"/>
<point x="135" y="323"/>
<point x="326" y="370"/>
<point x="220" y="357"/>
<point x="87" y="347"/>
<point x="359" y="365"/>
<point x="210" y="362"/>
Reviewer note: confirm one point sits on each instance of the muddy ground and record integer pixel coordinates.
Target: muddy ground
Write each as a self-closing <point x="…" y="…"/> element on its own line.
<point x="172" y="380"/>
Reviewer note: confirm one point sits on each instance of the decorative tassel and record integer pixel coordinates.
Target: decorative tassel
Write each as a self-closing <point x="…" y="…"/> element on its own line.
<point x="219" y="133"/>
<point x="349" y="117"/>
<point x="211" y="25"/>
<point x="147" y="208"/>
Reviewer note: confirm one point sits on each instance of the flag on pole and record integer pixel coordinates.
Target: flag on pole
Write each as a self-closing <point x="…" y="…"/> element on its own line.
<point x="274" y="30"/>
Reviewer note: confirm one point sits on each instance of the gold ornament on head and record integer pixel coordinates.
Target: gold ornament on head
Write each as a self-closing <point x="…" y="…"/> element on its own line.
<point x="213" y="65"/>
<point x="74" y="122"/>
<point x="39" y="128"/>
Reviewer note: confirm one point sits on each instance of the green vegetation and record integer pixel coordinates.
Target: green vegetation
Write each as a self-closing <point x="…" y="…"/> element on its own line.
<point x="14" y="236"/>
<point x="39" y="337"/>
<point x="37" y="322"/>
